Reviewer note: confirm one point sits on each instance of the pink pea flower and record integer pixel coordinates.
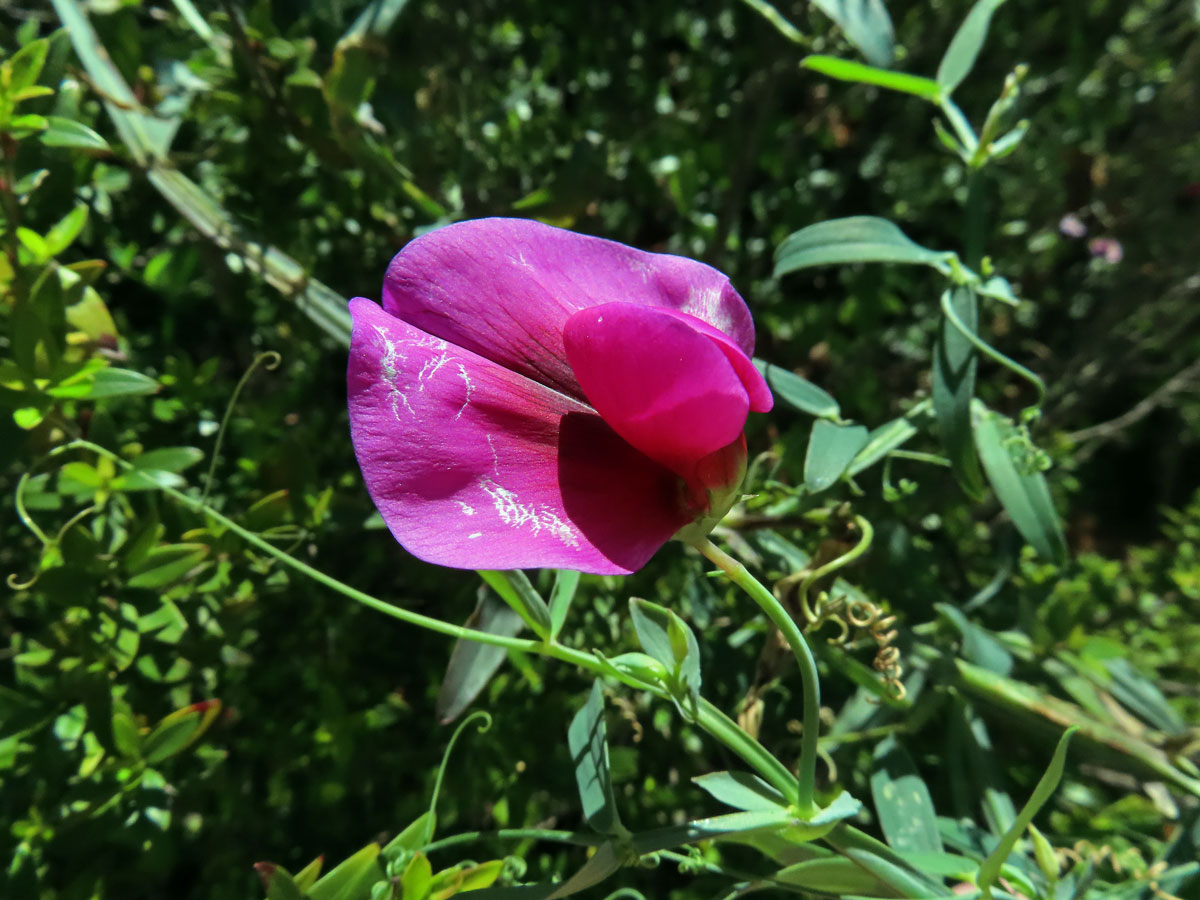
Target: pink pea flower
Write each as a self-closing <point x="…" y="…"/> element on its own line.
<point x="529" y="397"/>
<point x="1108" y="249"/>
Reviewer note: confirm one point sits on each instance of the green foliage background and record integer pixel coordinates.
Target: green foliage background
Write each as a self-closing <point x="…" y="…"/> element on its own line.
<point x="336" y="137"/>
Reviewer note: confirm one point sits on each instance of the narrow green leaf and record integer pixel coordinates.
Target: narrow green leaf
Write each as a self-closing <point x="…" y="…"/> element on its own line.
<point x="414" y="883"/>
<point x="589" y="751"/>
<point x="833" y="876"/>
<point x="1006" y="144"/>
<point x="954" y="365"/>
<point x="473" y="664"/>
<point x="713" y="827"/>
<point x="886" y="864"/>
<point x="351" y="879"/>
<point x="26" y="64"/>
<point x="166" y="565"/>
<point x="179" y="730"/>
<point x="1038" y="712"/>
<point x="1023" y="492"/>
<point x="324" y="307"/>
<point x="604" y="862"/>
<point x="169" y="459"/>
<point x="281" y="885"/>
<point x="23" y="126"/>
<point x="66" y="229"/>
<point x="844" y="70"/>
<point x="412" y="838"/>
<point x="902" y="801"/>
<point x="989" y="870"/>
<point x="112" y="382"/>
<point x="1142" y="696"/>
<point x="852" y="240"/>
<point x="974" y="768"/>
<point x="880" y="442"/>
<point x="964" y="47"/>
<point x="473" y="878"/>
<point x="866" y="24"/>
<point x="375" y="21"/>
<point x="741" y="790"/>
<point x="831" y="448"/>
<point x="566" y="581"/>
<point x="668" y="639"/>
<point x="34" y="243"/>
<point x="125" y="735"/>
<point x="515" y="589"/>
<point x="33" y="92"/>
<point x="147" y="137"/>
<point x="978" y="646"/>
<point x="798" y="392"/>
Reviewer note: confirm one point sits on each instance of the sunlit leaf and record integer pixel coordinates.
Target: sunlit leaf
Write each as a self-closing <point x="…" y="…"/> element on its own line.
<point x="866" y="24"/>
<point x="473" y="664"/>
<point x="852" y="240"/>
<point x="964" y="47"/>
<point x="796" y="391"/>
<point x="831" y="448"/>
<point x="902" y="801"/>
<point x="589" y="752"/>
<point x="1021" y="490"/>
<point x="989" y="870"/>
<point x="351" y="879"/>
<point x="953" y="380"/>
<point x="741" y="790"/>
<point x="845" y="70"/>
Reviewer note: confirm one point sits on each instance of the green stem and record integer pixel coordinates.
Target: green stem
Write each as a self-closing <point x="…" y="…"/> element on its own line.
<point x="708" y="717"/>
<point x="976" y="218"/>
<point x="724" y="729"/>
<point x="772" y="15"/>
<point x="578" y="838"/>
<point x="810" y="685"/>
<point x="917" y="456"/>
<point x="992" y="353"/>
<point x="272" y="360"/>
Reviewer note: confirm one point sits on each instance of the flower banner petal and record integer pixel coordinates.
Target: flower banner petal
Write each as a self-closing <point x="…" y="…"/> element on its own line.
<point x="504" y="288"/>
<point x="474" y="466"/>
<point x="662" y="385"/>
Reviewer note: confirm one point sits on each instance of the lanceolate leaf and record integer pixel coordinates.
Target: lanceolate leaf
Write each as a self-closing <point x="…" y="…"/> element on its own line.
<point x="741" y="790"/>
<point x="1022" y="491"/>
<point x="834" y="876"/>
<point x="844" y="70"/>
<point x="515" y="589"/>
<point x="589" y="752"/>
<point x="902" y="801"/>
<point x="990" y="869"/>
<point x="472" y="664"/>
<point x="147" y="137"/>
<point x="566" y="581"/>
<point x="668" y="639"/>
<point x="866" y="24"/>
<point x="852" y="240"/>
<point x="978" y="646"/>
<point x="880" y="442"/>
<point x="352" y="879"/>
<point x="965" y="45"/>
<point x="954" y="365"/>
<point x="798" y="392"/>
<point x="830" y="450"/>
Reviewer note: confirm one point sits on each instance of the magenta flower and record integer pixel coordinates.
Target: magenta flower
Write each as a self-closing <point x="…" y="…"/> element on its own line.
<point x="530" y="397"/>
